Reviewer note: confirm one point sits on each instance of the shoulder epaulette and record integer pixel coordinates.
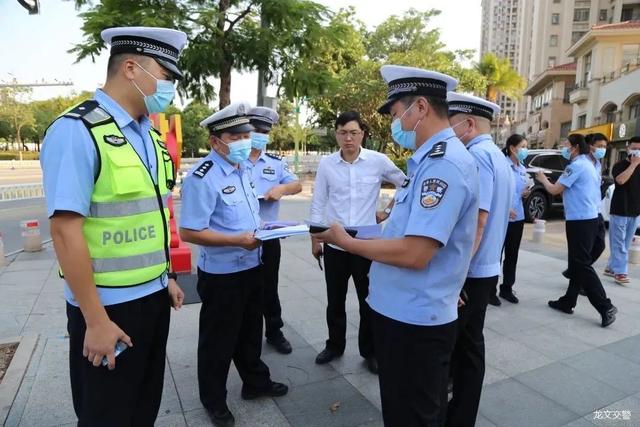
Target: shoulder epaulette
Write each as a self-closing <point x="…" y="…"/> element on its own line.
<point x="203" y="169"/>
<point x="438" y="150"/>
<point x="274" y="156"/>
<point x="90" y="112"/>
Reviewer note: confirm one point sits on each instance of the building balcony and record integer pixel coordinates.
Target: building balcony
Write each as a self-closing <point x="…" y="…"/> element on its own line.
<point x="578" y="95"/>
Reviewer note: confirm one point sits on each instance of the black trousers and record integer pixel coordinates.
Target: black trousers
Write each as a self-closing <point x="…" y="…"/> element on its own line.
<point x="338" y="267"/>
<point x="510" y="252"/>
<point x="599" y="244"/>
<point x="581" y="238"/>
<point x="130" y="394"/>
<point x="230" y="329"/>
<point x="413" y="370"/>
<point x="271" y="301"/>
<point x="467" y="361"/>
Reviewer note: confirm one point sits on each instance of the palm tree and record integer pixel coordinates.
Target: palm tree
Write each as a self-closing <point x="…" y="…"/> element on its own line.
<point x="501" y="78"/>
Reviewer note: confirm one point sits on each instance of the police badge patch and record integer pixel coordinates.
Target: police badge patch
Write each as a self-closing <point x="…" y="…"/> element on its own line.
<point x="567" y="171"/>
<point x="433" y="190"/>
<point x="114" y="140"/>
<point x="228" y="190"/>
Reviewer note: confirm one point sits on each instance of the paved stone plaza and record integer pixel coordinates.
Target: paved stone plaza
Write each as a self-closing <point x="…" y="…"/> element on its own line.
<point x="544" y="368"/>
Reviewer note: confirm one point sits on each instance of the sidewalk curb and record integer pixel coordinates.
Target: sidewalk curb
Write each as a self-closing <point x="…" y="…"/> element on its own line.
<point x="14" y="375"/>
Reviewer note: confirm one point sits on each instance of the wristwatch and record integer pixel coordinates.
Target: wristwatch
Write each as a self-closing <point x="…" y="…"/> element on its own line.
<point x="387" y="211"/>
<point x="172" y="275"/>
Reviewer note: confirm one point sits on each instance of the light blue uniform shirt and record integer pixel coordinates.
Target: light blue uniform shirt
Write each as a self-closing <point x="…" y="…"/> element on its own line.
<point x="440" y="201"/>
<point x="69" y="165"/>
<point x="496" y="191"/>
<point x="520" y="178"/>
<point x="220" y="197"/>
<point x="266" y="173"/>
<point x="581" y="197"/>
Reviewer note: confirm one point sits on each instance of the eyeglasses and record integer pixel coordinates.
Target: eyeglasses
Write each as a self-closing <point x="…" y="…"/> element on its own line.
<point x="352" y="133"/>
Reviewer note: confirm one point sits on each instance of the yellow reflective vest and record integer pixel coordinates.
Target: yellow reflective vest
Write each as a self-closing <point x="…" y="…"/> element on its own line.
<point x="127" y="228"/>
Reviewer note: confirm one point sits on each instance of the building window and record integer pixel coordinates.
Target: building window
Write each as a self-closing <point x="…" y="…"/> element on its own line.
<point x="577" y="35"/>
<point x="582" y="121"/>
<point x="586" y="69"/>
<point x="567" y="91"/>
<point x="555" y="18"/>
<point x="551" y="62"/>
<point x="634" y="109"/>
<point x="630" y="12"/>
<point x="630" y="54"/>
<point x="553" y="40"/>
<point x="556" y="1"/>
<point x="603" y="15"/>
<point x="580" y="15"/>
<point x="565" y="128"/>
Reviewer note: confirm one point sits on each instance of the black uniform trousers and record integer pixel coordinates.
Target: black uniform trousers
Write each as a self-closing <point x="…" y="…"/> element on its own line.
<point x="130" y="394"/>
<point x="230" y="329"/>
<point x="510" y="252"/>
<point x="271" y="301"/>
<point x="413" y="370"/>
<point x="338" y="267"/>
<point x="467" y="361"/>
<point x="581" y="238"/>
<point x="599" y="244"/>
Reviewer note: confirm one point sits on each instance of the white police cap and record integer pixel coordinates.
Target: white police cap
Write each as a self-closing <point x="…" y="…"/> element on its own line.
<point x="263" y="118"/>
<point x="469" y="104"/>
<point x="410" y="81"/>
<point x="162" y="44"/>
<point x="232" y="118"/>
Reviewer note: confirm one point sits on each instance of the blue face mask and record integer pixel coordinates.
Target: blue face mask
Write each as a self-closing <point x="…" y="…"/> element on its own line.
<point x="522" y="154"/>
<point x="158" y="101"/>
<point x="239" y="150"/>
<point x="600" y="153"/>
<point x="566" y="153"/>
<point x="259" y="140"/>
<point x="404" y="138"/>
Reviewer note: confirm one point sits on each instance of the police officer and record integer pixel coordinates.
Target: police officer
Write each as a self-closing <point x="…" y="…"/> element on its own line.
<point x="422" y="259"/>
<point x="107" y="179"/>
<point x="580" y="189"/>
<point x="471" y="118"/>
<point x="272" y="180"/>
<point x="220" y="215"/>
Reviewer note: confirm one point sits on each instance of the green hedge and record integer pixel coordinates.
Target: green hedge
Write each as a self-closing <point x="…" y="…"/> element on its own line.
<point x="15" y="155"/>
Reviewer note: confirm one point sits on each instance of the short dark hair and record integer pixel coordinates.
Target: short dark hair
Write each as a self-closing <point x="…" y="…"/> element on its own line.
<point x="115" y="61"/>
<point x="634" y="140"/>
<point x="592" y="138"/>
<point x="512" y="141"/>
<point x="575" y="139"/>
<point x="439" y="105"/>
<point x="350" y="116"/>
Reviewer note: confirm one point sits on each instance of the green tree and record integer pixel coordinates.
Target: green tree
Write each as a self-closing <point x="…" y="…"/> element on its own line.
<point x="227" y="35"/>
<point x="194" y="137"/>
<point x="16" y="113"/>
<point x="501" y="78"/>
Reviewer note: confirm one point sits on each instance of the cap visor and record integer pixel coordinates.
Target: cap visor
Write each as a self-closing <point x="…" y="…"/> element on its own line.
<point x="386" y="107"/>
<point x="169" y="66"/>
<point x="261" y="126"/>
<point x="238" y="129"/>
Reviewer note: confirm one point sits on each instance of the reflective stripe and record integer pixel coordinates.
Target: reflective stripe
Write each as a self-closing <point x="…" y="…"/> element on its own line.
<point x="130" y="207"/>
<point x="107" y="265"/>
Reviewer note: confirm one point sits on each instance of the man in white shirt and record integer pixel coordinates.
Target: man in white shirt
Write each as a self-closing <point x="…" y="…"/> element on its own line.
<point x="346" y="191"/>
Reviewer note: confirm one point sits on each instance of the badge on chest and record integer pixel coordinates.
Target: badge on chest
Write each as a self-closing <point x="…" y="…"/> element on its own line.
<point x="268" y="171"/>
<point x="228" y="190"/>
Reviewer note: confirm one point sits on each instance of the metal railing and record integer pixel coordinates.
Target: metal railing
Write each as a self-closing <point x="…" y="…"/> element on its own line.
<point x="21" y="191"/>
<point x="616" y="74"/>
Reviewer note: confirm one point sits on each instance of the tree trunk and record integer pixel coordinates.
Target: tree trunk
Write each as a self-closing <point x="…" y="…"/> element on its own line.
<point x="492" y="93"/>
<point x="224" y="94"/>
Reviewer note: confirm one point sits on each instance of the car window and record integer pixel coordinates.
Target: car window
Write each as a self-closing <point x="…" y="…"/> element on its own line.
<point x="533" y="160"/>
<point x="552" y="162"/>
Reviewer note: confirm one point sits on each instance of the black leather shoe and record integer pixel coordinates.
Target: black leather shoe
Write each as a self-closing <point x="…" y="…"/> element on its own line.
<point x="372" y="365"/>
<point x="326" y="356"/>
<point x="494" y="300"/>
<point x="281" y="344"/>
<point x="222" y="417"/>
<point x="557" y="305"/>
<point x="274" y="390"/>
<point x="609" y="316"/>
<point x="566" y="274"/>
<point x="509" y="296"/>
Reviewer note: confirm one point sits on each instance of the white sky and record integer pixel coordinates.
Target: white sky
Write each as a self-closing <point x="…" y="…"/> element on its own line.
<point x="33" y="48"/>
